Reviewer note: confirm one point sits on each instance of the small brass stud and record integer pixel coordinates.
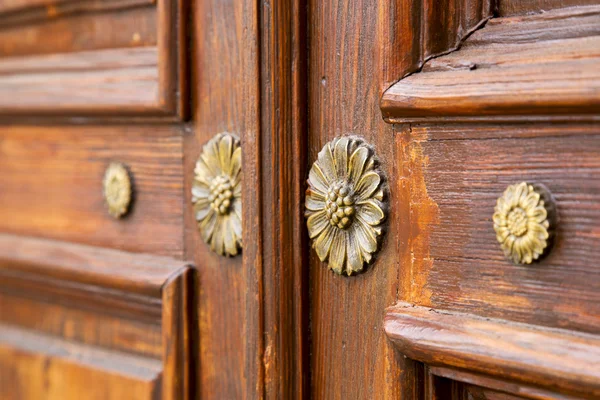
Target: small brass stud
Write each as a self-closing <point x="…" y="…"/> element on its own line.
<point x="117" y="189"/>
<point x="524" y="221"/>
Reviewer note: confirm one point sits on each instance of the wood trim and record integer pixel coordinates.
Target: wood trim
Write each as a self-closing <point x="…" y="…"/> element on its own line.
<point x="145" y="287"/>
<point x="28" y="12"/>
<point x="283" y="159"/>
<point x="557" y="360"/>
<point x="124" y="84"/>
<point x="496" y="385"/>
<point x="514" y="66"/>
<point x="415" y="31"/>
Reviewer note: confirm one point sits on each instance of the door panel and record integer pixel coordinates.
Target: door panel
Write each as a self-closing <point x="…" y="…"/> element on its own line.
<point x="79" y="321"/>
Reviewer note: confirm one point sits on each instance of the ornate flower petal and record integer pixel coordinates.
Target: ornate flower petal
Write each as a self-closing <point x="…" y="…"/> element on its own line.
<point x="203" y="173"/>
<point x="200" y="192"/>
<point x="237" y="208"/>
<point x="529" y="201"/>
<point x="357" y="163"/>
<point x="326" y="164"/>
<point x="314" y="201"/>
<point x="499" y="219"/>
<point x="340" y="156"/>
<point x="371" y="212"/>
<point x="322" y="243"/>
<point x="207" y="225"/>
<point x="367" y="185"/>
<point x="354" y="252"/>
<point x="316" y="223"/>
<point x="229" y="235"/>
<point x="217" y="242"/>
<point x="365" y="235"/>
<point x="235" y="223"/>
<point x="338" y="252"/>
<point x="537" y="214"/>
<point x="236" y="163"/>
<point x="225" y="152"/>
<point x="317" y="179"/>
<point x="201" y="209"/>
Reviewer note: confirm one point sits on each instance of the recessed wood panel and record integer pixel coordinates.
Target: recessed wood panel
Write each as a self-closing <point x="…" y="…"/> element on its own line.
<point x="34" y="366"/>
<point x="87" y="322"/>
<point x="52" y="185"/>
<point x="78" y="60"/>
<point x="465" y="169"/>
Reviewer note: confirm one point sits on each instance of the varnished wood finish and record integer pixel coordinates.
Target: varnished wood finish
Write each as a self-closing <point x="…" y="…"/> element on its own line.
<point x="225" y="98"/>
<point x="93" y="58"/>
<point x="141" y="299"/>
<point x="554" y="359"/>
<point x="548" y="65"/>
<point x="465" y="168"/>
<point x="52" y="185"/>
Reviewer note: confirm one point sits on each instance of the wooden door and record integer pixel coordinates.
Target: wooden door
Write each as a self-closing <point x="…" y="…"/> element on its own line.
<point x="413" y="117"/>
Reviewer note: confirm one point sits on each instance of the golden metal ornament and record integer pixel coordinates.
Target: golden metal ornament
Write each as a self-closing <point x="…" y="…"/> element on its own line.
<point x="216" y="194"/>
<point x="524" y="220"/>
<point x="117" y="189"/>
<point x="344" y="204"/>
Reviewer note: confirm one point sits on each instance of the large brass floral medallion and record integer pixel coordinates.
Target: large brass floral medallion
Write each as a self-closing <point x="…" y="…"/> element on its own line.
<point x="116" y="187"/>
<point x="216" y="194"/>
<point x="524" y="221"/>
<point x="344" y="204"/>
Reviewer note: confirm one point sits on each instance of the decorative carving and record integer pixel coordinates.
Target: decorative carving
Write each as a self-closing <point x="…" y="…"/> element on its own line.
<point x="344" y="204"/>
<point x="524" y="222"/>
<point x="216" y="194"/>
<point x="117" y="189"/>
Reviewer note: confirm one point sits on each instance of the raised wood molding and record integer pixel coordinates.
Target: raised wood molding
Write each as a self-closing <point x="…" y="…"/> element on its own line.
<point x="19" y="12"/>
<point x="514" y="66"/>
<point x="418" y="30"/>
<point x="553" y="359"/>
<point x="135" y="82"/>
<point x="150" y="289"/>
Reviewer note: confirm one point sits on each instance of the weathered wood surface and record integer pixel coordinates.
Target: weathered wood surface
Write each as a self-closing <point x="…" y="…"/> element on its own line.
<point x="541" y="64"/>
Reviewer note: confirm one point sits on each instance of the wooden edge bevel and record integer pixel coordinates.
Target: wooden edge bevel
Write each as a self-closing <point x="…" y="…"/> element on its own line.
<point x="178" y="335"/>
<point x="552" y="359"/>
<point x="512" y="69"/>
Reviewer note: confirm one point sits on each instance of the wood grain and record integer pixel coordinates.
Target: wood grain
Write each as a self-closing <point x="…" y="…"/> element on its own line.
<point x="225" y="95"/>
<point x="94" y="58"/>
<point x="79" y="312"/>
<point x="82" y="32"/>
<point x="20" y="12"/>
<point x="465" y="170"/>
<point x="516" y="7"/>
<point x="52" y="185"/>
<point x="283" y="171"/>
<point x="35" y="367"/>
<point x="485" y="387"/>
<point x="559" y="360"/>
<point x="544" y="64"/>
<point x="80" y="83"/>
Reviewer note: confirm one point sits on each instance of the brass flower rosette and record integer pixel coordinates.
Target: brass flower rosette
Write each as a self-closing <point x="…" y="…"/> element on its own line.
<point x="344" y="205"/>
<point x="116" y="188"/>
<point x="524" y="221"/>
<point x="216" y="194"/>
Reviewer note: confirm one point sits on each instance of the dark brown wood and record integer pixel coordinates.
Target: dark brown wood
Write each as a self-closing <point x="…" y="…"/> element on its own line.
<point x="52" y="185"/>
<point x="555" y="359"/>
<point x="513" y="66"/>
<point x="484" y="387"/>
<point x="118" y="320"/>
<point x="283" y="171"/>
